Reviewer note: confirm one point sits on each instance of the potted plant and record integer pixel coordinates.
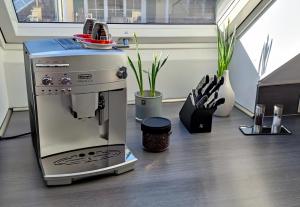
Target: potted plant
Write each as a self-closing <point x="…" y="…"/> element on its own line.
<point x="147" y="102"/>
<point x="226" y="42"/>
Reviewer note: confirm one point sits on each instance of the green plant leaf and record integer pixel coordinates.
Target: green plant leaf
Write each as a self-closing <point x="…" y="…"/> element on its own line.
<point x="138" y="71"/>
<point x="164" y="61"/>
<point x="150" y="84"/>
<point x="154" y="63"/>
<point x="136" y="41"/>
<point x="135" y="72"/>
<point x="141" y="73"/>
<point x="226" y="42"/>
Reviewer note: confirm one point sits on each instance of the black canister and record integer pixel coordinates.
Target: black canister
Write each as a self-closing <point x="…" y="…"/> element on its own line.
<point x="156" y="134"/>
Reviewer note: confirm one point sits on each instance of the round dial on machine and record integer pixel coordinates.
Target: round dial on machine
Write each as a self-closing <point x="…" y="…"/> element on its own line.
<point x="47" y="81"/>
<point x="122" y="73"/>
<point x="65" y="80"/>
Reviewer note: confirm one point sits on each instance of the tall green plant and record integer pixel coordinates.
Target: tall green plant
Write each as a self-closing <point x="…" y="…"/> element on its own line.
<point x="157" y="65"/>
<point x="138" y="70"/>
<point x="226" y="42"/>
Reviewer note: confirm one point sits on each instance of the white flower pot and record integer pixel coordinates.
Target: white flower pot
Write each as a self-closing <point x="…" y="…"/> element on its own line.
<point x="147" y="106"/>
<point x="226" y="92"/>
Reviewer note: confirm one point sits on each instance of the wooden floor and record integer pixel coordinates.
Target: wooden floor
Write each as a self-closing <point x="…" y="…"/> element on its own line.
<point x="222" y="168"/>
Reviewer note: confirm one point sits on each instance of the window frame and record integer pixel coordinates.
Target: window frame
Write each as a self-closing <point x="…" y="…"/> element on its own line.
<point x="15" y="32"/>
<point x="235" y="11"/>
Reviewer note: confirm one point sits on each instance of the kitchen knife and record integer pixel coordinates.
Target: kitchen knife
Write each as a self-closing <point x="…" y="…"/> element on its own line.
<point x="194" y="94"/>
<point x="218" y="103"/>
<point x="202" y="84"/>
<point x="210" y="86"/>
<point x="217" y="87"/>
<point x="192" y="99"/>
<point x="201" y="102"/>
<point x="209" y="105"/>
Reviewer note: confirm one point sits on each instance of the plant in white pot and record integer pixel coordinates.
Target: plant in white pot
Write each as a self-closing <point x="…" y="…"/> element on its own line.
<point x="226" y="42"/>
<point x="147" y="102"/>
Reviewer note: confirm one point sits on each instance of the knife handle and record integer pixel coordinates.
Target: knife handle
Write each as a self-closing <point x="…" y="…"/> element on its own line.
<point x="201" y="102"/>
<point x="211" y="85"/>
<point x="217" y="87"/>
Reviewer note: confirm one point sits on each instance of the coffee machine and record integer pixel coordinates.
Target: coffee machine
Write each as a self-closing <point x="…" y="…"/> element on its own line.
<point x="77" y="103"/>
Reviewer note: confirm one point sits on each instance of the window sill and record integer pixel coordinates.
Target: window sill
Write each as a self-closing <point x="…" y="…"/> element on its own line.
<point x="146" y="33"/>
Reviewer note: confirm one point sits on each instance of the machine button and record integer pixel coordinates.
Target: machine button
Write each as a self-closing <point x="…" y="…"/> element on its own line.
<point x="91" y="153"/>
<point x="81" y="155"/>
<point x="65" y="80"/>
<point x="47" y="81"/>
<point x="122" y="73"/>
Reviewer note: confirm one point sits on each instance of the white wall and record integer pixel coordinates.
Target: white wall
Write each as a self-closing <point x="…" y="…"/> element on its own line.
<point x="184" y="69"/>
<point x="3" y="90"/>
<point x="280" y="23"/>
<point x="243" y="77"/>
<point x="15" y="78"/>
<point x="288" y="73"/>
<point x="186" y="65"/>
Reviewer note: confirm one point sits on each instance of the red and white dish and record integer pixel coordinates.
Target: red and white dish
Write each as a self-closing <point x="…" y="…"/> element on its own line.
<point x="97" y="44"/>
<point x="80" y="37"/>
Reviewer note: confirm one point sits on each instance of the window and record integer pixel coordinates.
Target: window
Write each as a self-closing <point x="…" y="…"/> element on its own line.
<point x="118" y="11"/>
<point x="34" y="11"/>
<point x="94" y="9"/>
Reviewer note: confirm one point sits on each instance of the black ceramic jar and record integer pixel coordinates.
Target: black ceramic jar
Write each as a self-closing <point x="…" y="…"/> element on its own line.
<point x="156" y="134"/>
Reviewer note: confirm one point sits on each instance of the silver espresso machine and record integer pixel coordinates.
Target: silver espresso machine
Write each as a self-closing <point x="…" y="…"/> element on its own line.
<point x="77" y="102"/>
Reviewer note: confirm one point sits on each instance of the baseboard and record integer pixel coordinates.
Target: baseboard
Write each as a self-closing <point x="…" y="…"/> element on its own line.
<point x="174" y="100"/>
<point x="244" y="110"/>
<point x="25" y="108"/>
<point x="171" y="100"/>
<point x="5" y="122"/>
<point x="129" y="102"/>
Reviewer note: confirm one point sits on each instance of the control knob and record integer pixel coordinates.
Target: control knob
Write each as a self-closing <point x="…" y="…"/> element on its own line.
<point x="65" y="80"/>
<point x="122" y="73"/>
<point x="47" y="81"/>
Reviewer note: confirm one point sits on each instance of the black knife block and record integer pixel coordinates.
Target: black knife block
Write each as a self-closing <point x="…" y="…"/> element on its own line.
<point x="195" y="120"/>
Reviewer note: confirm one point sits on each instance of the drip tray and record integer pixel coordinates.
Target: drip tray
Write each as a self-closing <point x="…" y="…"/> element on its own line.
<point x="84" y="160"/>
<point x="64" y="168"/>
<point x="248" y="130"/>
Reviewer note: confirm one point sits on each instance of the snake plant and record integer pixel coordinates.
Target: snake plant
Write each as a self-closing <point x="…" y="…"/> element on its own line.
<point x="226" y="42"/>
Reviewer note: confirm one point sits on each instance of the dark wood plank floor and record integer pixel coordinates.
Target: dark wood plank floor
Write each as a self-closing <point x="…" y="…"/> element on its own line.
<point x="222" y="168"/>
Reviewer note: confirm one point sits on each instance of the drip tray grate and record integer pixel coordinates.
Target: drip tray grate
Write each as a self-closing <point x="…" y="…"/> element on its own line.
<point x="84" y="160"/>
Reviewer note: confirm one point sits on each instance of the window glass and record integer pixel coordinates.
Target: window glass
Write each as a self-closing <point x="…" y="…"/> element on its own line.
<point x="95" y="9"/>
<point x="36" y="10"/>
<point x="117" y="11"/>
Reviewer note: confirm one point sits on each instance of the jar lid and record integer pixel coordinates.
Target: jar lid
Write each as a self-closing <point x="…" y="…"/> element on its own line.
<point x="156" y="125"/>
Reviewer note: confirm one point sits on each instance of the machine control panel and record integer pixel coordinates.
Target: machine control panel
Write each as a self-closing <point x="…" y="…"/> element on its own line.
<point x="53" y="91"/>
<point x="61" y="81"/>
<point x="55" y="79"/>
